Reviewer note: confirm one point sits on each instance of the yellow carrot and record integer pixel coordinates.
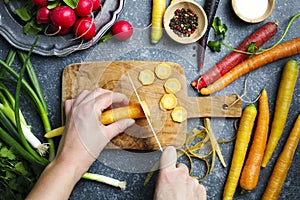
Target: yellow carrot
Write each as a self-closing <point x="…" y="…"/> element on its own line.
<point x="133" y="111"/>
<point x="283" y="164"/>
<point x="158" y="10"/>
<point x="251" y="170"/>
<point x="283" y="101"/>
<point x="241" y="145"/>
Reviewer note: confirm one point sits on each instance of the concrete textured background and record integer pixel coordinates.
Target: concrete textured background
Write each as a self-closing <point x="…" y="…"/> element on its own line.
<point x="133" y="166"/>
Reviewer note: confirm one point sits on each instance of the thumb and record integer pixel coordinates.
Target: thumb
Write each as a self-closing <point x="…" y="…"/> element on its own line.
<point x="168" y="159"/>
<point x="119" y="127"/>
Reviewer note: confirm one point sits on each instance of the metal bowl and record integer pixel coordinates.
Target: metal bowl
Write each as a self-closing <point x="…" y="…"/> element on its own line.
<point x="11" y="28"/>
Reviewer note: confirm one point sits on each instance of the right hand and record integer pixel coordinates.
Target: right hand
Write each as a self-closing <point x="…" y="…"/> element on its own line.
<point x="174" y="182"/>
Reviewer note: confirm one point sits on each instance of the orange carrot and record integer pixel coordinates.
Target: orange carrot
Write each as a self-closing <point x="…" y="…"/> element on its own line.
<point x="240" y="150"/>
<point x="283" y="101"/>
<point x="251" y="170"/>
<point x="283" y="50"/>
<point x="283" y="164"/>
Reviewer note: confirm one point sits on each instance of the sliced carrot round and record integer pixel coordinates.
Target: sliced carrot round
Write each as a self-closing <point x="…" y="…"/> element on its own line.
<point x="168" y="101"/>
<point x="146" y="77"/>
<point x="163" y="70"/>
<point x="179" y="114"/>
<point x="172" y="85"/>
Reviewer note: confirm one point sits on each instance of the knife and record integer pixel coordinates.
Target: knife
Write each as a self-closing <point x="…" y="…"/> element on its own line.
<point x="144" y="110"/>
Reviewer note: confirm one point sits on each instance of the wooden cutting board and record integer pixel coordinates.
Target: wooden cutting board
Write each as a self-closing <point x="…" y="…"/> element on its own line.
<point x="114" y="76"/>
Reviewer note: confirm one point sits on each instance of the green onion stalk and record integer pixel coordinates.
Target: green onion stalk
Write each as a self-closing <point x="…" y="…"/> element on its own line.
<point x="13" y="121"/>
<point x="35" y="98"/>
<point x="8" y="110"/>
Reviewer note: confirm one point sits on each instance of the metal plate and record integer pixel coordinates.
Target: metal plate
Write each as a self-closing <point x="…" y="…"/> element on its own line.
<point x="12" y="30"/>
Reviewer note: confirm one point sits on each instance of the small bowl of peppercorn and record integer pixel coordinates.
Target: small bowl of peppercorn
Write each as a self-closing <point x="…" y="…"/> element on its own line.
<point x="185" y="21"/>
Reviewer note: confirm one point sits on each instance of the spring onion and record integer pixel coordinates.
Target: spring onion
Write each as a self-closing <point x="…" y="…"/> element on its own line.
<point x="6" y="108"/>
<point x="105" y="179"/>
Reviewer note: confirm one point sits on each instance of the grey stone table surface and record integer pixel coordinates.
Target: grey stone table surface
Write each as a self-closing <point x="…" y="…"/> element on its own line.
<point x="134" y="166"/>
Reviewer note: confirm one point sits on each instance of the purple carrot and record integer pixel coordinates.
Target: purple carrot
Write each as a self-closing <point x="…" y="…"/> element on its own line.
<point x="210" y="8"/>
<point x="260" y="36"/>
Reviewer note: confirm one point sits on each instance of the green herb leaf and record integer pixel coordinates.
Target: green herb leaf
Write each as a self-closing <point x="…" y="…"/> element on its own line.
<point x="214" y="45"/>
<point x="53" y="3"/>
<point x="220" y="34"/>
<point x="251" y="47"/>
<point x="9" y="175"/>
<point x="26" y="12"/>
<point x="71" y="3"/>
<point x="19" y="167"/>
<point x="219" y="28"/>
<point x="32" y="28"/>
<point x="105" y="37"/>
<point x="6" y="153"/>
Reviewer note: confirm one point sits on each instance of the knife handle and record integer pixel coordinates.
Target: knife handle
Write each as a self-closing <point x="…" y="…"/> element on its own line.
<point x="133" y="111"/>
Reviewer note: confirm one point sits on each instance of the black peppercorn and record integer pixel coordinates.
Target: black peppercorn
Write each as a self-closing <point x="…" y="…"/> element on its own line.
<point x="184" y="22"/>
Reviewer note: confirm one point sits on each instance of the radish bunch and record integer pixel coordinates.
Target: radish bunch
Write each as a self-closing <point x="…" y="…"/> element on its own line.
<point x="63" y="19"/>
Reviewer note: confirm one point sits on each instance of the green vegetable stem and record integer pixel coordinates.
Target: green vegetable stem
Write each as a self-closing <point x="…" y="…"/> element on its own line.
<point x="38" y="99"/>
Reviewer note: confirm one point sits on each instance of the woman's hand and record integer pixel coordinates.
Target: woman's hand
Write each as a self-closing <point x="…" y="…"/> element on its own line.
<point x="83" y="140"/>
<point x="85" y="137"/>
<point x="174" y="182"/>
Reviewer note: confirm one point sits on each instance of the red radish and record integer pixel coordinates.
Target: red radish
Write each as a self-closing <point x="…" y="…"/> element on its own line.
<point x="43" y="15"/>
<point x="96" y="4"/>
<point x="40" y="3"/>
<point x="63" y="17"/>
<point x="122" y="30"/>
<point x="85" y="28"/>
<point x="260" y="36"/>
<point x="60" y="31"/>
<point x="84" y="8"/>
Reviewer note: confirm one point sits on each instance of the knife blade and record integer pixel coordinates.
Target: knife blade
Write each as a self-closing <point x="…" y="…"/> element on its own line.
<point x="143" y="108"/>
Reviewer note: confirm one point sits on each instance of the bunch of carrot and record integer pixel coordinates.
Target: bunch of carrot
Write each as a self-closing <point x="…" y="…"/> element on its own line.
<point x="262" y="148"/>
<point x="239" y="63"/>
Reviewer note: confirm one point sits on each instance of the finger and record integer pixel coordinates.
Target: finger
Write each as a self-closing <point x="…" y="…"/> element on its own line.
<point x="120" y="99"/>
<point x="183" y="167"/>
<point x="202" y="192"/>
<point x="118" y="127"/>
<point x="91" y="96"/>
<point x="68" y="106"/>
<point x="107" y="99"/>
<point x="81" y="96"/>
<point x="168" y="159"/>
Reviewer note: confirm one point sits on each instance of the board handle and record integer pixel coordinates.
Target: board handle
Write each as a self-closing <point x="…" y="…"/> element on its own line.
<point x="214" y="106"/>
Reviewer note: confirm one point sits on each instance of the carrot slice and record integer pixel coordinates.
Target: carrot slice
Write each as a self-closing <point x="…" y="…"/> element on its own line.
<point x="179" y="114"/>
<point x="172" y="85"/>
<point x="168" y="101"/>
<point x="163" y="70"/>
<point x="146" y="77"/>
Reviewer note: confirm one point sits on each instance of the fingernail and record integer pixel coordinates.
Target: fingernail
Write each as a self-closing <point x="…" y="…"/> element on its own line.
<point x="170" y="149"/>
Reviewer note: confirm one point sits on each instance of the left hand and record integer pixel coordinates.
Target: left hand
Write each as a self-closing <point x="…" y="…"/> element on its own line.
<point x="85" y="136"/>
